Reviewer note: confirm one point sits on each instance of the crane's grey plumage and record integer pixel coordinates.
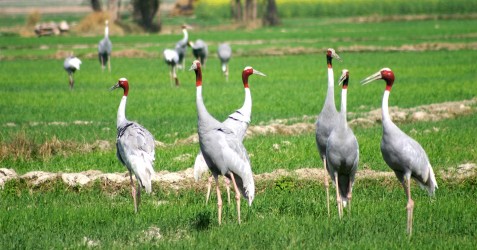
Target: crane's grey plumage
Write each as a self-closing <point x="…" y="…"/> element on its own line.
<point x="181" y="46"/>
<point x="105" y="48"/>
<point x="404" y="155"/>
<point x="200" y="51"/>
<point x="223" y="152"/>
<point x="342" y="153"/>
<point x="327" y="119"/>
<point x="172" y="59"/>
<point x="135" y="148"/>
<point x="225" y="53"/>
<point x="71" y="64"/>
<point x="238" y="122"/>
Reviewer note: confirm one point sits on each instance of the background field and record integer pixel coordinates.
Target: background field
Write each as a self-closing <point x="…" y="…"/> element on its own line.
<point x="47" y="127"/>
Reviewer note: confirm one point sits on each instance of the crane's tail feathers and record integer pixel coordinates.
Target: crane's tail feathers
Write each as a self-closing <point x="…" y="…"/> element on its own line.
<point x="224" y="67"/>
<point x="200" y="166"/>
<point x="345" y="201"/>
<point x="247" y="188"/>
<point x="144" y="174"/>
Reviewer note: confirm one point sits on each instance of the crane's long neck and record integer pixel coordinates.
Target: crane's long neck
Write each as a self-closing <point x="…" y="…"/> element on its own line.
<point x="186" y="35"/>
<point x="385" y="107"/>
<point x="202" y="112"/>
<point x="344" y="93"/>
<point x="121" y="111"/>
<point x="246" y="109"/>
<point x="330" y="94"/>
<point x="106" y="31"/>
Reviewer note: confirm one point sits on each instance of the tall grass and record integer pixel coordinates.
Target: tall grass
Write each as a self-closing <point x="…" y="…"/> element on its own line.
<point x="344" y="8"/>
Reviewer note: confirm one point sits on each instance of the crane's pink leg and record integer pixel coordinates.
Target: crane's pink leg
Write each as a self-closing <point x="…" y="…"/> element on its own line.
<point x="350" y="192"/>
<point x="219" y="199"/>
<point x="410" y="204"/>
<point x="138" y="195"/>
<point x="72" y="81"/>
<point x="338" y="198"/>
<point x="227" y="185"/>
<point x="133" y="192"/>
<point x="327" y="186"/>
<point x="109" y="63"/>
<point x="237" y="195"/>
<point x="209" y="186"/>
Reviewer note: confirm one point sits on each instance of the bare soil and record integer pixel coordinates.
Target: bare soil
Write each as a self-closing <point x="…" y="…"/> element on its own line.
<point x="185" y="179"/>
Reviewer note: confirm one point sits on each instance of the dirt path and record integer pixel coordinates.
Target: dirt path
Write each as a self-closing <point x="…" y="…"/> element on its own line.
<point x="185" y="178"/>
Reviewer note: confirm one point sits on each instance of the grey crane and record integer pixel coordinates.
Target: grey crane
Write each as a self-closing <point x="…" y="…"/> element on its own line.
<point x="238" y="122"/>
<point x="225" y="52"/>
<point x="327" y="119"/>
<point x="104" y="49"/>
<point x="172" y="59"/>
<point x="223" y="152"/>
<point x="200" y="51"/>
<point x="135" y="148"/>
<point x="404" y="155"/>
<point x="181" y="47"/>
<point x="342" y="153"/>
<point x="71" y="64"/>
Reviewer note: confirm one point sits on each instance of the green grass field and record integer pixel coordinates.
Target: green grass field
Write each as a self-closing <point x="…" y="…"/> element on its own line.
<point x="38" y="109"/>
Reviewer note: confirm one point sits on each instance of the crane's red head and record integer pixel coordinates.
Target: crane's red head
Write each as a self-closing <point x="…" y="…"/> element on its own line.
<point x="344" y="78"/>
<point x="247" y="71"/>
<point x="198" y="72"/>
<point x="330" y="54"/>
<point x="385" y="73"/>
<point x="122" y="83"/>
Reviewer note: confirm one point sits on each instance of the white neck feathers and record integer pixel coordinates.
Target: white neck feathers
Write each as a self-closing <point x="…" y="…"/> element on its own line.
<point x="121" y="111"/>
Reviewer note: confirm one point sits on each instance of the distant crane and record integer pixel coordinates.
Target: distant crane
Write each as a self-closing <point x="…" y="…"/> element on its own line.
<point x="327" y="119"/>
<point x="172" y="59"/>
<point x="223" y="152"/>
<point x="135" y="148"/>
<point x="104" y="49"/>
<point x="238" y="122"/>
<point x="181" y="47"/>
<point x="404" y="155"/>
<point x="342" y="153"/>
<point x="225" y="52"/>
<point x="71" y="64"/>
<point x="199" y="50"/>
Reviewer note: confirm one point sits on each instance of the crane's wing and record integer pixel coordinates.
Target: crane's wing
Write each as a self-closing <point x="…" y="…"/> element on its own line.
<point x="136" y="140"/>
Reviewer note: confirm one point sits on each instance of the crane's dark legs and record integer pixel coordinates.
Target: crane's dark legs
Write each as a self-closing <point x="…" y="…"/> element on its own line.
<point x="170" y="74"/>
<point x="102" y="62"/>
<point x="72" y="81"/>
<point x="174" y="75"/>
<point x="338" y="198"/>
<point x="109" y="63"/>
<point x="138" y="195"/>
<point x="219" y="199"/>
<point x="327" y="186"/>
<point x="227" y="186"/>
<point x="133" y="192"/>
<point x="410" y="203"/>
<point x="237" y="195"/>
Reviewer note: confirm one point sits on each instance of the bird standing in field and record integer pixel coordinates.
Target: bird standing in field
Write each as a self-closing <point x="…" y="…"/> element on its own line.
<point x="223" y="152"/>
<point x="71" y="64"/>
<point x="342" y="153"/>
<point x="327" y="119"/>
<point x="172" y="59"/>
<point x="404" y="155"/>
<point x="104" y="49"/>
<point x="135" y="148"/>
<point x="238" y="122"/>
<point x="181" y="47"/>
<point x="225" y="52"/>
<point x="200" y="51"/>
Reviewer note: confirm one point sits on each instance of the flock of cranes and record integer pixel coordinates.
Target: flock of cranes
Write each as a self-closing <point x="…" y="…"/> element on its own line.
<point x="221" y="143"/>
<point x="174" y="58"/>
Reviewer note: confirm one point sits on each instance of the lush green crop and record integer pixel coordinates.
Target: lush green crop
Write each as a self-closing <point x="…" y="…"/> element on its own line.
<point x="45" y="126"/>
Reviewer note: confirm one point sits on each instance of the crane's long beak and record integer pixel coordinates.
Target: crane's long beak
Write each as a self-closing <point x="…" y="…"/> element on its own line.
<point x="258" y="73"/>
<point x="343" y="77"/>
<point x="375" y="76"/>
<point x="336" y="56"/>
<point x="114" y="87"/>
